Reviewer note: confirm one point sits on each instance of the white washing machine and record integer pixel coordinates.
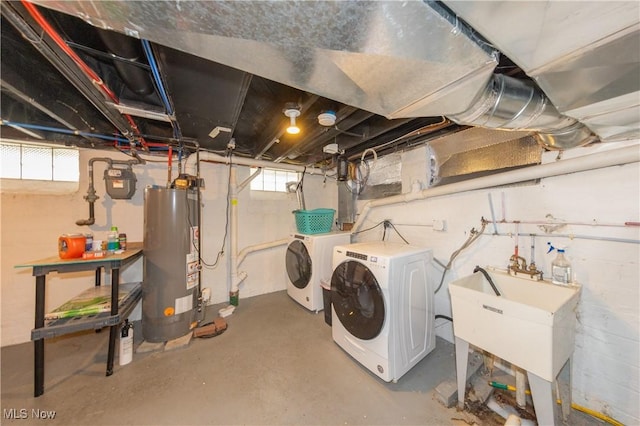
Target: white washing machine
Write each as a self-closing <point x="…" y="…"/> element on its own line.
<point x="382" y="306"/>
<point x="308" y="262"/>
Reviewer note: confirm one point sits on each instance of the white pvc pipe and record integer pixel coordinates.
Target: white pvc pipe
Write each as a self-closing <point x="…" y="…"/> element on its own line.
<point x="630" y="154"/>
<point x="190" y="163"/>
<point x="250" y="249"/>
<point x="521" y="384"/>
<point x="233" y="231"/>
<point x="248" y="180"/>
<point x="235" y="277"/>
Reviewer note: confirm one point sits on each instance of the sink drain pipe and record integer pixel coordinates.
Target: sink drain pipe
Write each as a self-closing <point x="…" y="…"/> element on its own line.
<point x="614" y="157"/>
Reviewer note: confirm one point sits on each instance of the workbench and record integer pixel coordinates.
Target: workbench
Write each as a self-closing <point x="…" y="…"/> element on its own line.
<point x="111" y="263"/>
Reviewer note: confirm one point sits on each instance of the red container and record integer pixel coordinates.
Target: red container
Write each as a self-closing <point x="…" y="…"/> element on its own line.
<point x="71" y="246"/>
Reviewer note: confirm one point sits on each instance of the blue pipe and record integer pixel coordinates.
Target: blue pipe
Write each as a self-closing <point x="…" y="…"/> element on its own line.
<point x="156" y="75"/>
<point x="117" y="139"/>
<point x="64" y="131"/>
<point x="155" y="71"/>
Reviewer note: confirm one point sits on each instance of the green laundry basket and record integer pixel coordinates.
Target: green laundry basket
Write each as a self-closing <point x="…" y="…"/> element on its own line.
<point x="317" y="221"/>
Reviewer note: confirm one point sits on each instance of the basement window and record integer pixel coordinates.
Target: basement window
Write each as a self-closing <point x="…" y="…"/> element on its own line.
<point x="272" y="180"/>
<point x="26" y="166"/>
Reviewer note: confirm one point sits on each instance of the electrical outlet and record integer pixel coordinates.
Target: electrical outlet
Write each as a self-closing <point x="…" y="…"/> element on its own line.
<point x="206" y="295"/>
<point x="439" y="225"/>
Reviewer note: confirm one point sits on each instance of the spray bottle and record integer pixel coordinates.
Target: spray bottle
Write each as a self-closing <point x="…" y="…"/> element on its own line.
<point x="126" y="343"/>
<point x="560" y="268"/>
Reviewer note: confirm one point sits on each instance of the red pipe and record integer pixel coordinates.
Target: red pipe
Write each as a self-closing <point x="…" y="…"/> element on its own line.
<point x="35" y="14"/>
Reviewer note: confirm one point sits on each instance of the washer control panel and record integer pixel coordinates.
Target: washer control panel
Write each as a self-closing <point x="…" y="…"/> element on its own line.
<point x="356" y="255"/>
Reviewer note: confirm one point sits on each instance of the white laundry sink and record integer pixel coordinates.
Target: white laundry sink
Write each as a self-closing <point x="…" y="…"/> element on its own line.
<point x="531" y="325"/>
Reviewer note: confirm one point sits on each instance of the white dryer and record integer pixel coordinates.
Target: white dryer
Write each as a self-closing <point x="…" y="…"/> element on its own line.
<point x="382" y="305"/>
<point x="308" y="262"/>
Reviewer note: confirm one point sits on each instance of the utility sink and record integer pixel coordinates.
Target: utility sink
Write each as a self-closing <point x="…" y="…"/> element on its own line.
<point x="531" y="324"/>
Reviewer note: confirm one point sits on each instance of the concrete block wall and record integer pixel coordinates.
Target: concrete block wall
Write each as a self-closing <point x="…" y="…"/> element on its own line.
<point x="31" y="223"/>
<point x="606" y="361"/>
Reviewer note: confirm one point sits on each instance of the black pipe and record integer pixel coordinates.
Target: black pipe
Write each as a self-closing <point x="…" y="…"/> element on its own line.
<point x="486" y="275"/>
<point x="91" y="196"/>
<point x="92" y="217"/>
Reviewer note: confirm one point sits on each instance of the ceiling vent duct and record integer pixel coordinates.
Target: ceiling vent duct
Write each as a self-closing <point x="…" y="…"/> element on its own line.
<point x="510" y="104"/>
<point x="475" y="152"/>
<point x="395" y="59"/>
<point x="415" y="58"/>
<point x="585" y="56"/>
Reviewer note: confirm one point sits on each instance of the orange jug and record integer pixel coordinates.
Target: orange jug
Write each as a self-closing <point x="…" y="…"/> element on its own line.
<point x="71" y="246"/>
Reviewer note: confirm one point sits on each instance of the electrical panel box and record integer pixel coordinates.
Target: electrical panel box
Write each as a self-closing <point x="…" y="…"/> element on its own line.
<point x="120" y="183"/>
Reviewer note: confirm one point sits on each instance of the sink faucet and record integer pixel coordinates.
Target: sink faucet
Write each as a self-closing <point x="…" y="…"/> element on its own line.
<point x="518" y="265"/>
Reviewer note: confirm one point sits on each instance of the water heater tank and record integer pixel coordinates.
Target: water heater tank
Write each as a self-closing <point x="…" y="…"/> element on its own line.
<point x="171" y="277"/>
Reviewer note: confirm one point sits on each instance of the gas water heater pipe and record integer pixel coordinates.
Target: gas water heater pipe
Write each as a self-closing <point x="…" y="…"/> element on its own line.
<point x="614" y="157"/>
<point x="190" y="167"/>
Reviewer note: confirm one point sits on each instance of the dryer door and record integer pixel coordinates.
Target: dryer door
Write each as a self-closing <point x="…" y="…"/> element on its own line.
<point x="357" y="299"/>
<point x="298" y="263"/>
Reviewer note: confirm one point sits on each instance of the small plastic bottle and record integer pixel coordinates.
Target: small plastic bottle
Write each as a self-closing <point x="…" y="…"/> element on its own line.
<point x="122" y="241"/>
<point x="126" y="343"/>
<point x="112" y="240"/>
<point x="561" y="270"/>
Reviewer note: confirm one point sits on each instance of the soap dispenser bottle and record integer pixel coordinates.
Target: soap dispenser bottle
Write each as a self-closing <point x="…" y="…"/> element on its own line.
<point x="560" y="268"/>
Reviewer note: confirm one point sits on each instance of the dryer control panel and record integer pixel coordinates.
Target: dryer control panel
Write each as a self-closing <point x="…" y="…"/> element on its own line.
<point x="357" y="255"/>
<point x="372" y="261"/>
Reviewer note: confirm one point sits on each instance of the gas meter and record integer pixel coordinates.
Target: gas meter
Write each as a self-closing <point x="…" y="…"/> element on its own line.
<point x="120" y="182"/>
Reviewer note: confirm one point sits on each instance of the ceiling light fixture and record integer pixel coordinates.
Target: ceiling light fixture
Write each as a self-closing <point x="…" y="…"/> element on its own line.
<point x="292" y="112"/>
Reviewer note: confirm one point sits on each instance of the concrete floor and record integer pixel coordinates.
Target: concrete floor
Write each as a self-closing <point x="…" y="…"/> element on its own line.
<point x="275" y="364"/>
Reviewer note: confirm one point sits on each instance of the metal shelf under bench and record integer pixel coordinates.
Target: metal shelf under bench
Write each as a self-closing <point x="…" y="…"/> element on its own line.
<point x="61" y="326"/>
<point x="40" y="268"/>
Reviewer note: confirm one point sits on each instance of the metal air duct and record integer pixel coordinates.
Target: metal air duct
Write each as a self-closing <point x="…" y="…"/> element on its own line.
<point x="404" y="59"/>
<point x="585" y="56"/>
<point x="510" y="104"/>
<point x="136" y="78"/>
<point x="396" y="59"/>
